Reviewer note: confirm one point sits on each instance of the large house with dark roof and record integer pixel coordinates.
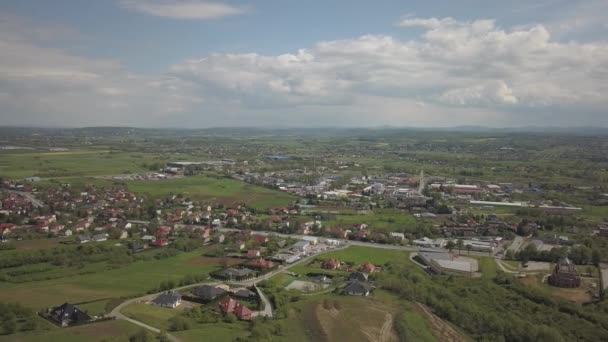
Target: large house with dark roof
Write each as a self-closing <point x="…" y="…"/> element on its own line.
<point x="168" y="299"/>
<point x="208" y="292"/>
<point x="231" y="273"/>
<point x="68" y="314"/>
<point x="357" y="288"/>
<point x="359" y="276"/>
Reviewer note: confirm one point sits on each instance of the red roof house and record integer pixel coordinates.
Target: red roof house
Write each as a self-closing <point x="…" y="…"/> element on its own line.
<point x="164" y="230"/>
<point x="160" y="242"/>
<point x="261" y="239"/>
<point x="229" y="305"/>
<point x="242" y="312"/>
<point x="367" y="267"/>
<point x="331" y="264"/>
<point x="261" y="263"/>
<point x="252" y="253"/>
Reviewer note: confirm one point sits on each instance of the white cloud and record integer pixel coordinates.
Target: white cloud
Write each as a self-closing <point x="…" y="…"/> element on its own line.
<point x="432" y="23"/>
<point x="453" y="63"/>
<point x="452" y="73"/>
<point x="183" y="9"/>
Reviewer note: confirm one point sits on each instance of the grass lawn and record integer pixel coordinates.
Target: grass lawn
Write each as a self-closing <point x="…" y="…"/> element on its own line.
<point x="385" y="220"/>
<point x="225" y="190"/>
<point x="418" y="327"/>
<point x="216" y="332"/>
<point x="159" y="318"/>
<point x="360" y="254"/>
<point x="72" y="163"/>
<point x="109" y="331"/>
<point x="38" y="243"/>
<point x="136" y="278"/>
<point x="487" y="267"/>
<point x="95" y="308"/>
<point x="353" y="254"/>
<point x="150" y="314"/>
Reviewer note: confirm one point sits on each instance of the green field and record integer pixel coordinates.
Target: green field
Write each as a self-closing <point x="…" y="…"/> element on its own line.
<point x="216" y="332"/>
<point x="159" y="318"/>
<point x="110" y="331"/>
<point x="150" y="314"/>
<point x="385" y="220"/>
<point x="130" y="280"/>
<point x="360" y="254"/>
<point x="224" y="190"/>
<point x="72" y="163"/>
<point x="355" y="255"/>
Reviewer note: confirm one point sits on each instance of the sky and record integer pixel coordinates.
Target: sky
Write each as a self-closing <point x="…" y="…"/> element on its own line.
<point x="293" y="63"/>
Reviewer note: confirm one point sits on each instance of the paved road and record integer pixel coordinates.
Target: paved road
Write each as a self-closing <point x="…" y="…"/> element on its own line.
<point x="118" y="315"/>
<point x="350" y="242"/>
<point x="267" y="311"/>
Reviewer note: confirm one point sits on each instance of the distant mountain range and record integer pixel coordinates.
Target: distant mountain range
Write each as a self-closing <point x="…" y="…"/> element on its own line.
<point x="108" y="130"/>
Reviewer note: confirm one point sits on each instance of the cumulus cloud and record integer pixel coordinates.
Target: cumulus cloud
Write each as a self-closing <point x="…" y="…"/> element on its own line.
<point x="182" y="9"/>
<point x="432" y="23"/>
<point x="472" y="63"/>
<point x="453" y="72"/>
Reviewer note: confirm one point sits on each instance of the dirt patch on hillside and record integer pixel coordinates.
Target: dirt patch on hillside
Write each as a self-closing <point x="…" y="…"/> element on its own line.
<point x="352" y="321"/>
<point x="579" y="295"/>
<point x="215" y="261"/>
<point x="441" y="330"/>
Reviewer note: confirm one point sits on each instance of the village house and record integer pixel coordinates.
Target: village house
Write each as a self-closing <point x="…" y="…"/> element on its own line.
<point x="208" y="292"/>
<point x="228" y="305"/>
<point x="253" y="253"/>
<point x="330" y="264"/>
<point x="99" y="237"/>
<point x="83" y="238"/>
<point x="68" y="314"/>
<point x="367" y="267"/>
<point x="261" y="264"/>
<point x="168" y="299"/>
<point x="160" y="242"/>
<point x="357" y="288"/>
<point x="232" y="274"/>
<point x="396" y="235"/>
<point x="358" y="276"/>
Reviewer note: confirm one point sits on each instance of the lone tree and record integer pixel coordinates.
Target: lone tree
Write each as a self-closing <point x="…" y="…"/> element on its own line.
<point x="459" y="243"/>
<point x="450" y="245"/>
<point x="469" y="247"/>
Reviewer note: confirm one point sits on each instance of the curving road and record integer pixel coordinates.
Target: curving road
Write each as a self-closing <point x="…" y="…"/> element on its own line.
<point x="267" y="311"/>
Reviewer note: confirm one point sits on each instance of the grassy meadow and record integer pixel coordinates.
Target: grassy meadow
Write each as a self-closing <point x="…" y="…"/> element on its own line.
<point x="133" y="279"/>
<point x="225" y="190"/>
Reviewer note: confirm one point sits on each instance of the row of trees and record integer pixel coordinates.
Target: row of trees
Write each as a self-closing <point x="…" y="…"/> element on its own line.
<point x="499" y="310"/>
<point x="14" y="317"/>
<point x="580" y="255"/>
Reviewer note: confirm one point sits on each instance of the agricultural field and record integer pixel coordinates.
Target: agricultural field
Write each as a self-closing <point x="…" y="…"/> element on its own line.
<point x="385" y="220"/>
<point x="133" y="279"/>
<point x="360" y="254"/>
<point x="220" y="332"/>
<point x="355" y="255"/>
<point x="109" y="331"/>
<point x="73" y="163"/>
<point x="151" y="314"/>
<point x="223" y="190"/>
